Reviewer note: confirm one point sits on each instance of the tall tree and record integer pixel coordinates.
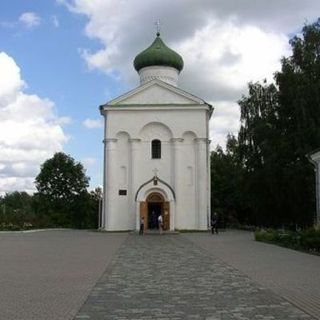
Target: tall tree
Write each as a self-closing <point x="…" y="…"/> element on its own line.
<point x="260" y="152"/>
<point x="279" y="126"/>
<point x="61" y="178"/>
<point x="299" y="115"/>
<point x="299" y="91"/>
<point x="62" y="185"/>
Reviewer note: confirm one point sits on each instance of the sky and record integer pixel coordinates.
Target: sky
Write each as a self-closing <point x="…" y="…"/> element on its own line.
<point x="61" y="59"/>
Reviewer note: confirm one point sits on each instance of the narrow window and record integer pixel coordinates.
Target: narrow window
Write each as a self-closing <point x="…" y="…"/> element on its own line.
<point x="156" y="149"/>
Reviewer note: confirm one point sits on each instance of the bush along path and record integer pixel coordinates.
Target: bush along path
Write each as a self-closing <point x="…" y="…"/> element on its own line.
<point x="305" y="240"/>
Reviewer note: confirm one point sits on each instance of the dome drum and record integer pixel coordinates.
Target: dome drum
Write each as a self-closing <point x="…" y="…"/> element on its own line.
<point x="166" y="74"/>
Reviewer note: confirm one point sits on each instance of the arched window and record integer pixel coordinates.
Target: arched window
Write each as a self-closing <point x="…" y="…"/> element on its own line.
<point x="156" y="149"/>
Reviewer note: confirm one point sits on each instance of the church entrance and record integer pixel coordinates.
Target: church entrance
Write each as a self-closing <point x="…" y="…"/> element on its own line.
<point x="155" y="206"/>
<point x="154" y="211"/>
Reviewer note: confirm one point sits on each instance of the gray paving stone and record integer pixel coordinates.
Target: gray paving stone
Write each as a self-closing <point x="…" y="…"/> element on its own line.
<point x="291" y="274"/>
<point x="48" y="275"/>
<point x="169" y="277"/>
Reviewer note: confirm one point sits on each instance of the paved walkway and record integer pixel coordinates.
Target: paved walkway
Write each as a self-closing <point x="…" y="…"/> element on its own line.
<point x="291" y="274"/>
<point x="48" y="275"/>
<point x="170" y="277"/>
<point x="62" y="275"/>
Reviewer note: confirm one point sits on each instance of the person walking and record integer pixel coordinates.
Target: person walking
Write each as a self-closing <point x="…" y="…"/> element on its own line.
<point x="214" y="223"/>
<point x="160" y="223"/>
<point x="141" y="231"/>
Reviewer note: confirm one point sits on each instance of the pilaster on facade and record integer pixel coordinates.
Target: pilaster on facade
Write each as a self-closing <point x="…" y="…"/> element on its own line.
<point x="134" y="151"/>
<point x="201" y="176"/>
<point x="110" y="156"/>
<point x="135" y="145"/>
<point x="208" y="185"/>
<point x="176" y="168"/>
<point x="110" y="147"/>
<point x="176" y="147"/>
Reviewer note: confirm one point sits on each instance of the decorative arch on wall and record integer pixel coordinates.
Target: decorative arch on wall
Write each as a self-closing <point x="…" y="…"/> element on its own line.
<point x="155" y="130"/>
<point x="149" y="186"/>
<point x="188" y="135"/>
<point x="122" y="135"/>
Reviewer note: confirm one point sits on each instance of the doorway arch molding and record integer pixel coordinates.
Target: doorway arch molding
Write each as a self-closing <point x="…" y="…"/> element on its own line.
<point x="167" y="193"/>
<point x="162" y="187"/>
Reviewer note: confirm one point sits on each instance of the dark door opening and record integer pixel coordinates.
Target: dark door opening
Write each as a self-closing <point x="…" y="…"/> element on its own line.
<point x="154" y="211"/>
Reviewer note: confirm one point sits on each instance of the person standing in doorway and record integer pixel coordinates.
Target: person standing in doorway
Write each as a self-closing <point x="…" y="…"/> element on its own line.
<point x="141" y="226"/>
<point x="160" y="223"/>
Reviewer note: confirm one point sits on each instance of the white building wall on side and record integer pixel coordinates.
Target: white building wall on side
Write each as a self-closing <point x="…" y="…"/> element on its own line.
<point x="315" y="158"/>
<point x="317" y="217"/>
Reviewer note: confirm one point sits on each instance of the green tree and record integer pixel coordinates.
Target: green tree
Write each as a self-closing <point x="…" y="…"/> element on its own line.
<point x="62" y="185"/>
<point x="279" y="126"/>
<point x="299" y="115"/>
<point x="226" y="180"/>
<point x="261" y="153"/>
<point x="16" y="211"/>
<point x="87" y="209"/>
<point x="299" y="91"/>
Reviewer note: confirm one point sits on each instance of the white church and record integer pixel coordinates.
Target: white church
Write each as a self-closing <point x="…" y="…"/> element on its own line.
<point x="156" y="150"/>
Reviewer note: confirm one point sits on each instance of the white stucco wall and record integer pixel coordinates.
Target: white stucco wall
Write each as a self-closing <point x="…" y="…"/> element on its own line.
<point x="166" y="74"/>
<point x="183" y="132"/>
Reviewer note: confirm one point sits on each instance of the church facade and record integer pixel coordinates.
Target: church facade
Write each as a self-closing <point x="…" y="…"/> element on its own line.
<point x="156" y="150"/>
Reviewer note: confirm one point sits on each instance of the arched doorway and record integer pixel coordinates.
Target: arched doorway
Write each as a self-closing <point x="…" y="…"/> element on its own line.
<point x="154" y="206"/>
<point x="155" y="203"/>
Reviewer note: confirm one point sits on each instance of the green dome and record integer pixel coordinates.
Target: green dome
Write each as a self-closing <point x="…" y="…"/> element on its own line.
<point x="158" y="54"/>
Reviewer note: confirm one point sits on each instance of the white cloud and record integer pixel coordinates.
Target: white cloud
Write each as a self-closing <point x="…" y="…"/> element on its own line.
<point x="63" y="120"/>
<point x="222" y="58"/>
<point x="225" y="120"/>
<point x="225" y="44"/>
<point x="30" y="131"/>
<point x="16" y="183"/>
<point x="10" y="81"/>
<point x="30" y="19"/>
<point x="88" y="162"/>
<point x="55" y="21"/>
<point x="93" y="123"/>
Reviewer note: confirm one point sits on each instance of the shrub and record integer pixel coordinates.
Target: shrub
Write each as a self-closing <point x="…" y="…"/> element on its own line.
<point x="304" y="240"/>
<point x="310" y="240"/>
